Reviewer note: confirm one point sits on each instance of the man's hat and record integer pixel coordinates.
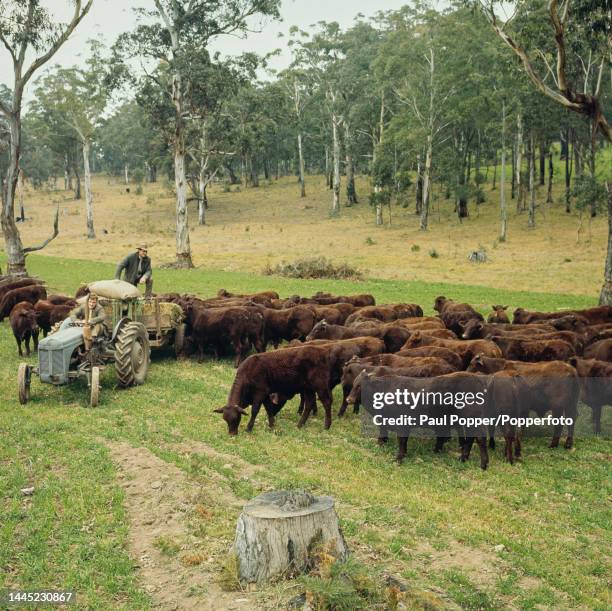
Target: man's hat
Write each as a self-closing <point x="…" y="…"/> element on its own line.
<point x="142" y="246"/>
<point x="92" y="296"/>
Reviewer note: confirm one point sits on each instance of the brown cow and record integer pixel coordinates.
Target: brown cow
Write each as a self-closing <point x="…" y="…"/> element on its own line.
<point x="386" y="313"/>
<point x="355" y="373"/>
<point x="330" y="314"/>
<point x="498" y="315"/>
<point x="238" y="327"/>
<point x="263" y="295"/>
<point x="452" y="358"/>
<point x="596" y="386"/>
<point x="11" y="283"/>
<point x="23" y="323"/>
<point x="302" y="370"/>
<point x="292" y="323"/>
<point x="533" y="350"/>
<point x="601" y="350"/>
<point x="62" y="300"/>
<point x="49" y="314"/>
<point x="476" y="329"/>
<point x="550" y="385"/>
<point x="600" y="314"/>
<point x="27" y="293"/>
<point x="466" y="349"/>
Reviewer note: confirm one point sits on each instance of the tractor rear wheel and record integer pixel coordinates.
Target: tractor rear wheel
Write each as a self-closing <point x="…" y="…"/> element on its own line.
<point x="132" y="354"/>
<point x="24" y="375"/>
<point x="94" y="391"/>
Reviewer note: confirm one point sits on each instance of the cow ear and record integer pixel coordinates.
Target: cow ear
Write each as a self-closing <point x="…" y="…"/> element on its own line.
<point x="504" y="307"/>
<point x="219" y="410"/>
<point x="243" y="411"/>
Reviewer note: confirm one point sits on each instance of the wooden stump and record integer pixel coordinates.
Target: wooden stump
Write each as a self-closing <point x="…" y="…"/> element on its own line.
<point x="277" y="531"/>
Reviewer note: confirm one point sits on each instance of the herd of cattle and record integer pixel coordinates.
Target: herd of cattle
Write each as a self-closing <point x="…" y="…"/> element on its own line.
<point x="338" y="340"/>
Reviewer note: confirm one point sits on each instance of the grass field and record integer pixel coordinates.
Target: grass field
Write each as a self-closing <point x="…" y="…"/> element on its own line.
<point x="135" y="502"/>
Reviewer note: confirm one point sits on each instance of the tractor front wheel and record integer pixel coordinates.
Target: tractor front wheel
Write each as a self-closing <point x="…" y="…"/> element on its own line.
<point x="94" y="387"/>
<point x="132" y="354"/>
<point x="24" y="376"/>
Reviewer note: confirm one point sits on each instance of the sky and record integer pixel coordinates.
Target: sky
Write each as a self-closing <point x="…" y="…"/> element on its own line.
<point x="109" y="18"/>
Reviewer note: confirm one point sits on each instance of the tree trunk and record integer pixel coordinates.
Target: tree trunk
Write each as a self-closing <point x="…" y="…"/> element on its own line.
<point x="88" y="192"/>
<point x="568" y="175"/>
<point x="66" y="173"/>
<point x="301" y="167"/>
<point x="519" y="161"/>
<point x="549" y="199"/>
<point x="605" y="297"/>
<point x="126" y="174"/>
<point x="202" y="192"/>
<point x="542" y="164"/>
<point x="531" y="219"/>
<point x="494" y="172"/>
<point x="254" y="174"/>
<point x="278" y="532"/>
<point x="328" y="182"/>
<point x="336" y="163"/>
<point x="419" y="187"/>
<point x="502" y="185"/>
<point x="351" y="192"/>
<point x="77" y="188"/>
<point x="513" y="181"/>
<point x="21" y="187"/>
<point x="13" y="246"/>
<point x="426" y="180"/>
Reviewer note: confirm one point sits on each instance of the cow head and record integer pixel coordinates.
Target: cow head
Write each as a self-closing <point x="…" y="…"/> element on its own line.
<point x="439" y="303"/>
<point x="31" y="316"/>
<point x="415" y="340"/>
<point x="477" y="364"/>
<point x="355" y="393"/>
<point x="222" y="293"/>
<point x="472" y="329"/>
<point x="519" y="316"/>
<point x="317" y="331"/>
<point x="232" y="414"/>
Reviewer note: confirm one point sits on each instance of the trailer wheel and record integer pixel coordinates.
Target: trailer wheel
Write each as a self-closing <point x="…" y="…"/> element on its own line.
<point x="132" y="354"/>
<point x="24" y="376"/>
<point x="94" y="394"/>
<point x="179" y="339"/>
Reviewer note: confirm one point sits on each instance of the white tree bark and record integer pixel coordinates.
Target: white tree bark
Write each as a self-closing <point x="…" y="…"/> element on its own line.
<point x="426" y="183"/>
<point x="336" y="163"/>
<point x="518" y="162"/>
<point x="126" y="173"/>
<point x="277" y="533"/>
<point x="302" y="169"/>
<point x="502" y="187"/>
<point x="88" y="192"/>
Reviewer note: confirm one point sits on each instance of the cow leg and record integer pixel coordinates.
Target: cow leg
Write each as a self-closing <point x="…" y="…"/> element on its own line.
<point x="27" y="342"/>
<point x="492" y="437"/>
<point x="402" y="448"/>
<point x="309" y="399"/>
<point x="35" y="338"/>
<point x="346" y="391"/>
<point x="383" y="435"/>
<point x="326" y="398"/>
<point x="518" y="448"/>
<point x="238" y="350"/>
<point x="256" y="406"/>
<point x="554" y="442"/>
<point x="509" y="439"/>
<point x="271" y="411"/>
<point x="596" y="417"/>
<point x="440" y="441"/>
<point x="18" y="340"/>
<point x="484" y="453"/>
<point x="466" y="448"/>
<point x="569" y="442"/>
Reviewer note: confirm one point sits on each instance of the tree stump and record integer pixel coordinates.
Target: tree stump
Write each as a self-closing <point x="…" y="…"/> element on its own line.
<point x="277" y="531"/>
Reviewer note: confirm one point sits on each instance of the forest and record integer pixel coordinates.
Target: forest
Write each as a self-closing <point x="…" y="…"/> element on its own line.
<point x="430" y="103"/>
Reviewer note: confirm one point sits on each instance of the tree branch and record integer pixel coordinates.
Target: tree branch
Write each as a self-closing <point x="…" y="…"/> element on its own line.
<point x="79" y="14"/>
<point x="51" y="237"/>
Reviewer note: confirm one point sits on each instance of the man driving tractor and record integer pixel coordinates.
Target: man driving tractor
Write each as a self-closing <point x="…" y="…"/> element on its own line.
<point x="93" y="318"/>
<point x="137" y="266"/>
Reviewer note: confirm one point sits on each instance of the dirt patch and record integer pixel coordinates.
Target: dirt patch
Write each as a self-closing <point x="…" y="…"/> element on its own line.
<point x="172" y="562"/>
<point x="481" y="567"/>
<point x="243" y="467"/>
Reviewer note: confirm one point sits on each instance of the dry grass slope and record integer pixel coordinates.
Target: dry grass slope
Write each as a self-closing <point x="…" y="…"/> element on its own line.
<point x="250" y="229"/>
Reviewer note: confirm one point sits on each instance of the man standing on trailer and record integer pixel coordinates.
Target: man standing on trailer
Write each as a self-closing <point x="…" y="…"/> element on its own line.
<point x="137" y="266"/>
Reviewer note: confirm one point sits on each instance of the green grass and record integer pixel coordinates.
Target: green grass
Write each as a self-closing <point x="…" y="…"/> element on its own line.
<point x="550" y="511"/>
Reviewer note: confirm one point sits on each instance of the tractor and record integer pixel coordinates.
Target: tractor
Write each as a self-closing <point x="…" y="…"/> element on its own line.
<point x="137" y="326"/>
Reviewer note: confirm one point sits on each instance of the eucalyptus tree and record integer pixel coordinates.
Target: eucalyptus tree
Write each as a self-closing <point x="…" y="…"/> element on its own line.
<point x="77" y="97"/>
<point x="175" y="32"/>
<point x="26" y="27"/>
